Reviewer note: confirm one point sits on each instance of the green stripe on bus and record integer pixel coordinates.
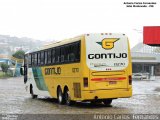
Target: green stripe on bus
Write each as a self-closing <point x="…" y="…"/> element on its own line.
<point x="38" y="77"/>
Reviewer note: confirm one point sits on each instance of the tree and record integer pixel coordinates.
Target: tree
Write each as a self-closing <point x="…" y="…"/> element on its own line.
<point x="19" y="54"/>
<point x="4" y="67"/>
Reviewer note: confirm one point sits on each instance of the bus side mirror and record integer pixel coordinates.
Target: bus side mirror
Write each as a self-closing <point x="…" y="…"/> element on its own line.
<point x="21" y="71"/>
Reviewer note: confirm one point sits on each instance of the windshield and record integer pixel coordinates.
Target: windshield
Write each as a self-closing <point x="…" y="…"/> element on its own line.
<point x="106" y="52"/>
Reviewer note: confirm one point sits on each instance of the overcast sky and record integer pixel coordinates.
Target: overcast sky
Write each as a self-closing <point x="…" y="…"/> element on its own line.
<point x="60" y="19"/>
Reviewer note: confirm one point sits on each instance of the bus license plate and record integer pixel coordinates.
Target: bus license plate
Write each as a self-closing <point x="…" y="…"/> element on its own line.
<point x="112" y="82"/>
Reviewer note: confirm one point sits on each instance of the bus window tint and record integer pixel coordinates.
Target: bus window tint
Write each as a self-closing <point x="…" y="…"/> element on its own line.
<point x="57" y="55"/>
<point x="68" y="53"/>
<point x="53" y="56"/>
<point x="39" y="58"/>
<point x="71" y="53"/>
<point x="35" y="59"/>
<point x="42" y="57"/>
<point x="49" y="56"/>
<point x="62" y="54"/>
<point x="77" y="51"/>
<point x="29" y="60"/>
<point x="32" y="59"/>
<point x="66" y="57"/>
<point x="25" y="60"/>
<point x="46" y="57"/>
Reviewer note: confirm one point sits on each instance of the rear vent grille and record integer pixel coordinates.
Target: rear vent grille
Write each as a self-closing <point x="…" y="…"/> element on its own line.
<point x="77" y="90"/>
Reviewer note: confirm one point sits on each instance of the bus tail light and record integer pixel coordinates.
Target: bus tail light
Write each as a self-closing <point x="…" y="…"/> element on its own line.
<point x="130" y="79"/>
<point x="85" y="82"/>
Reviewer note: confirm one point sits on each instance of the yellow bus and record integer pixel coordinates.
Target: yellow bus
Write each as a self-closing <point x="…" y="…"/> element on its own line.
<point x="90" y="67"/>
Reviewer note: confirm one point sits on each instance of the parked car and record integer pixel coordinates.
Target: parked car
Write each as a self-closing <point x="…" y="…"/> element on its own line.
<point x="140" y="76"/>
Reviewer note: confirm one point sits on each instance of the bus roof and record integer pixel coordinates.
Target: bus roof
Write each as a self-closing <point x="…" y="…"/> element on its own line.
<point x="66" y="41"/>
<point x="55" y="44"/>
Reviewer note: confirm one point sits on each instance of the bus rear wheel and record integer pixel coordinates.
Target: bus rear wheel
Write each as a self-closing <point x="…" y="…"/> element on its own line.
<point x="68" y="100"/>
<point x="107" y="102"/>
<point x="60" y="96"/>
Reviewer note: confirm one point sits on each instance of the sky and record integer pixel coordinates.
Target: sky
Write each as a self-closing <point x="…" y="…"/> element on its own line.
<point x="61" y="19"/>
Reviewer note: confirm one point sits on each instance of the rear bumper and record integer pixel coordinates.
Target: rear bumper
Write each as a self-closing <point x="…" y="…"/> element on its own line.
<point x="104" y="94"/>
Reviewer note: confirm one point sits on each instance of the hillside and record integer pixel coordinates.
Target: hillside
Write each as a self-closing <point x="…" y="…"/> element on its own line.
<point x="9" y="45"/>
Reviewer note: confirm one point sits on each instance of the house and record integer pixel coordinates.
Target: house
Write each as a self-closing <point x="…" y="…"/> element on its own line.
<point x="146" y="59"/>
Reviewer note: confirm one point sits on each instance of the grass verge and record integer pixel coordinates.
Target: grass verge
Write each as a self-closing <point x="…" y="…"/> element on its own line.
<point x="3" y="75"/>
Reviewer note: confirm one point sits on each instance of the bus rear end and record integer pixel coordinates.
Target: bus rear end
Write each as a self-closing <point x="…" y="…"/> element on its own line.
<point x="109" y="63"/>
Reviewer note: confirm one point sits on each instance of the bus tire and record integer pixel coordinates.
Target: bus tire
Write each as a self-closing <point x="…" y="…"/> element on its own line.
<point x="68" y="100"/>
<point x="60" y="96"/>
<point x="32" y="93"/>
<point x="107" y="102"/>
<point x="94" y="102"/>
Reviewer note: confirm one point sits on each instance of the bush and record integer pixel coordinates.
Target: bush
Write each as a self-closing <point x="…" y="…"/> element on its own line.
<point x="4" y="67"/>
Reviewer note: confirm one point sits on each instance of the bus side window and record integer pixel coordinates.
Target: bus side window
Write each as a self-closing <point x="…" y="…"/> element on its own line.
<point x="53" y="56"/>
<point x="42" y="57"/>
<point x="49" y="56"/>
<point x="62" y="54"/>
<point x="39" y="58"/>
<point x="29" y="60"/>
<point x="66" y="55"/>
<point x="57" y="55"/>
<point x="77" y="51"/>
<point x="71" y="53"/>
<point x="35" y="59"/>
<point x="25" y="60"/>
<point x="45" y="57"/>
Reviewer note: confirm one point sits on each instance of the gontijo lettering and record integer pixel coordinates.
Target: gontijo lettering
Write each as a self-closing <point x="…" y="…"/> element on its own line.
<point x="107" y="56"/>
<point x="53" y="70"/>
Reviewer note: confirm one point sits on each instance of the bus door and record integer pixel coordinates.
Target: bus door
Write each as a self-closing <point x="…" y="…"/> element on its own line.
<point x="25" y="68"/>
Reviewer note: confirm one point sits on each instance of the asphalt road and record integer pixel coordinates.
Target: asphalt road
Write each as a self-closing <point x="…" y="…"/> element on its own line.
<point x="15" y="100"/>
